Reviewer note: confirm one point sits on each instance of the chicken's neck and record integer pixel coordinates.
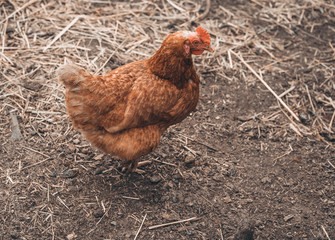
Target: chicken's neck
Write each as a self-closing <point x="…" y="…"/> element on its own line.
<point x="176" y="68"/>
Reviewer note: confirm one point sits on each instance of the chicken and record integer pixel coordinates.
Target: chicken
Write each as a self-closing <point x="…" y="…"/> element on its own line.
<point x="125" y="112"/>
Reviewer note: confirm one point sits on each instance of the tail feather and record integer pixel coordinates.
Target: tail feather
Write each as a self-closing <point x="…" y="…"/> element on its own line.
<point x="72" y="75"/>
<point x="76" y="81"/>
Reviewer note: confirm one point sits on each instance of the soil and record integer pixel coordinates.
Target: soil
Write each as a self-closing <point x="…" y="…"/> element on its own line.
<point x="224" y="165"/>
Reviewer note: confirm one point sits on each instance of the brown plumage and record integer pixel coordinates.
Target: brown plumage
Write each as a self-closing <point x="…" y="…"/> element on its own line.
<point x="125" y="112"/>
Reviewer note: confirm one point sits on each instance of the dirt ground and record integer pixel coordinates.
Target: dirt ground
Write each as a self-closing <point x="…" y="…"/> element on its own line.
<point x="240" y="161"/>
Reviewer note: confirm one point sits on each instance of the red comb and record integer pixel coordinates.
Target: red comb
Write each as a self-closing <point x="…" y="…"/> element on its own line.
<point x="203" y="34"/>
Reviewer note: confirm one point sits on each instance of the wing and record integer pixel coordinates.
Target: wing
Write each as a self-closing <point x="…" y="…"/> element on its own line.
<point x="153" y="100"/>
<point x="149" y="102"/>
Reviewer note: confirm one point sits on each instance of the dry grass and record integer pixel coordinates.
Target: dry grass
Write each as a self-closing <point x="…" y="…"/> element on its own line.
<point x="38" y="36"/>
<point x="314" y="103"/>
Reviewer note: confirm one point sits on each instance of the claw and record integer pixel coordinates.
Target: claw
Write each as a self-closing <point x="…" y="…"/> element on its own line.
<point x="141" y="164"/>
<point x="132" y="166"/>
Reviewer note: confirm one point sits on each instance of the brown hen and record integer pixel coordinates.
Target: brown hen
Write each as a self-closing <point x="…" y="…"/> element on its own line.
<point x="125" y="112"/>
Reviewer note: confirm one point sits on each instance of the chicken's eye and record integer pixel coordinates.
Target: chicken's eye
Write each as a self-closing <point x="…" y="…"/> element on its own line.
<point x="196" y="43"/>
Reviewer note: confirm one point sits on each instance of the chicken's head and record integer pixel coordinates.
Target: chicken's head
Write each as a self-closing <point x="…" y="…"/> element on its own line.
<point x="197" y="42"/>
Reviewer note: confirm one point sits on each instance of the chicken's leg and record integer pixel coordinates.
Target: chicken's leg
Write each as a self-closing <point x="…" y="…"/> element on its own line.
<point x="132" y="166"/>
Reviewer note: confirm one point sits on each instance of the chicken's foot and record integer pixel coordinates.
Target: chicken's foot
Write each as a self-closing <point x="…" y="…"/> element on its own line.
<point x="132" y="166"/>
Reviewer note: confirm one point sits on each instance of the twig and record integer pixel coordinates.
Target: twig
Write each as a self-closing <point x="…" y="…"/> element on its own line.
<point x="62" y="32"/>
<point x="292" y="125"/>
<point x="310" y="35"/>
<point x="204" y="14"/>
<point x="286" y="92"/>
<point x="267" y="86"/>
<point x="43" y="112"/>
<point x="283" y="155"/>
<point x="230" y="59"/>
<point x="35" y="151"/>
<point x="175" y="6"/>
<point x="62" y="202"/>
<point x="331" y="164"/>
<point x="103" y="216"/>
<point x="110" y="57"/>
<point x="172" y="223"/>
<point x="191" y="150"/>
<point x="140" y="226"/>
<point x="221" y="235"/>
<point x="134" y="198"/>
<point x="324" y="230"/>
<point x="5" y="57"/>
<point x="171" y="164"/>
<point x="29" y="166"/>
<point x="310" y="99"/>
<point x="204" y="144"/>
<point x="18" y="10"/>
<point x="48" y="193"/>
<point x="32" y="165"/>
<point x="331" y="121"/>
<point x="98" y="221"/>
<point x="294" y="128"/>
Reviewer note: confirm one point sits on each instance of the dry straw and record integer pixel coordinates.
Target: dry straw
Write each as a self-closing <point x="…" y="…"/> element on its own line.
<point x="36" y="37"/>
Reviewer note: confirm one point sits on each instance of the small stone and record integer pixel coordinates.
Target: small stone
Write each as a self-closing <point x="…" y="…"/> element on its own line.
<point x="98" y="171"/>
<point x="98" y="214"/>
<point x="188" y="201"/>
<point x="76" y="141"/>
<point x="14" y="235"/>
<point x="71" y="236"/>
<point x="289" y="235"/>
<point x="182" y="228"/>
<point x="164" y="198"/>
<point x="245" y="201"/>
<point x="174" y="199"/>
<point x="98" y="157"/>
<point x="245" y="234"/>
<point x="170" y="216"/>
<point x="288" y="217"/>
<point x="303" y="117"/>
<point x="53" y="175"/>
<point x="70" y="173"/>
<point x="217" y="177"/>
<point x="266" y="180"/>
<point x="113" y="223"/>
<point x="243" y="118"/>
<point x="288" y="183"/>
<point x="33" y="132"/>
<point x="227" y="199"/>
<point x="71" y="147"/>
<point x="84" y="150"/>
<point x="155" y="179"/>
<point x="189" y="160"/>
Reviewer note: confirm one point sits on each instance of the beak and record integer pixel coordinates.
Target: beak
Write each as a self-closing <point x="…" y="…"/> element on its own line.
<point x="208" y="48"/>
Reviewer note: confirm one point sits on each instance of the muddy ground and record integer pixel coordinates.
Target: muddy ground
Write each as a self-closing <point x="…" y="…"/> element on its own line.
<point x="235" y="163"/>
